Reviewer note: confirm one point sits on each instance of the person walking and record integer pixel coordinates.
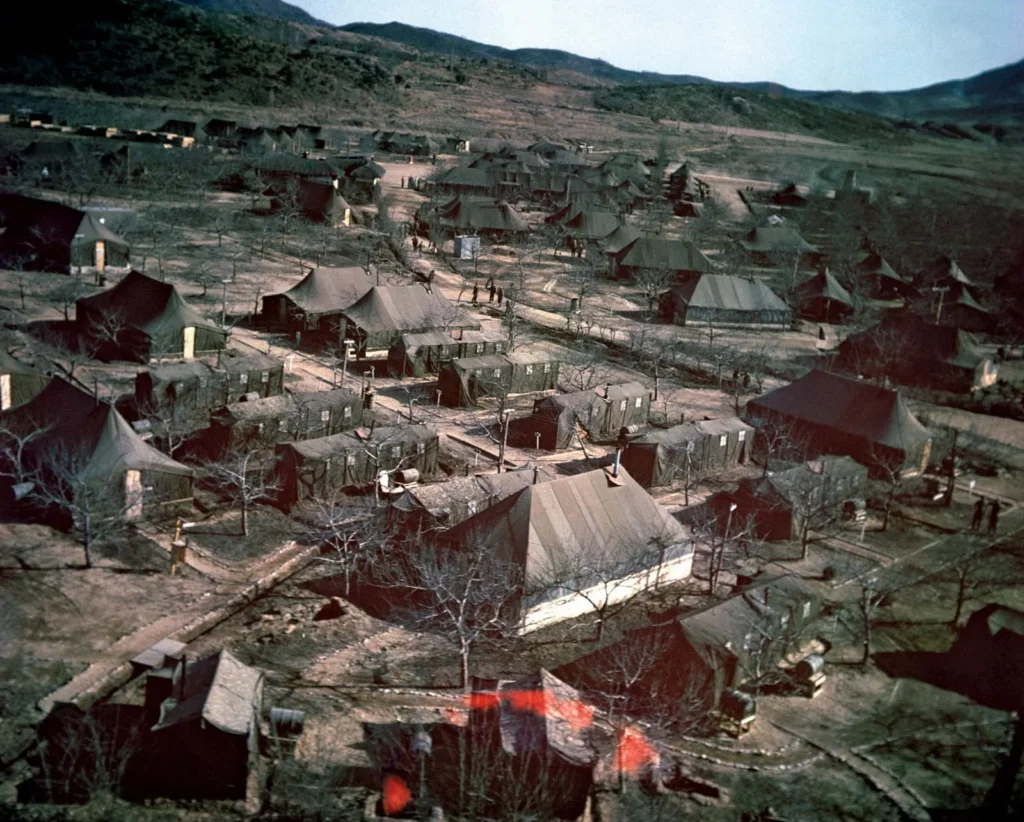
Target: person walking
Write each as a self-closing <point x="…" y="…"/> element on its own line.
<point x="403" y="183"/>
<point x="993" y="517"/>
<point x="476" y="293"/>
<point x="501" y="295"/>
<point x="492" y="291"/>
<point x="979" y="514"/>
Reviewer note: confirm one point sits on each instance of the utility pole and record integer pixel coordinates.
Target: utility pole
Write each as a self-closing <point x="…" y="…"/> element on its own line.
<point x="504" y="439"/>
<point x="941" y="290"/>
<point x="224" y="302"/>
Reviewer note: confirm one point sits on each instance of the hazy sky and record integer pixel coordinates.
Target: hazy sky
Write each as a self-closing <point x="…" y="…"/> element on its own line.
<point x="811" y="44"/>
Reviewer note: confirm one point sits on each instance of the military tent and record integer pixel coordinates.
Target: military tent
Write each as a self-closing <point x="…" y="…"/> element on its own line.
<point x="592" y="537"/>
<point x="678" y="257"/>
<point x="882" y="278"/>
<point x="414" y="355"/>
<point x="619" y="239"/>
<point x="84" y="445"/>
<point x="318" y="202"/>
<point x="18" y="382"/>
<point x="494" y="218"/>
<point x="462" y="382"/>
<point x="298" y="416"/>
<point x="469" y="180"/>
<point x="314" y="468"/>
<point x="916" y="352"/>
<point x="591" y="225"/>
<point x="684" y="187"/>
<point x="384" y="313"/>
<point x="960" y="308"/>
<point x="789" y="196"/>
<point x="39" y="235"/>
<point x="824" y="413"/>
<point x="313" y="306"/>
<point x="141" y="319"/>
<point x="599" y="414"/>
<point x="688" y="452"/>
<point x="724" y="300"/>
<point x="766" y="244"/>
<point x="822" y="298"/>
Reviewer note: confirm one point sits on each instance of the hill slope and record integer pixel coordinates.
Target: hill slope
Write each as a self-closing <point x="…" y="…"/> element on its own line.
<point x="274" y="9"/>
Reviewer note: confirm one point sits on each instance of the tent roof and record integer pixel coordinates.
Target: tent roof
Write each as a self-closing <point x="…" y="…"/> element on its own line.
<point x="824" y="285"/>
<point x="794" y="483"/>
<point x="11" y="365"/>
<point x="150" y="306"/>
<point x="33" y="221"/>
<point x="483" y="215"/>
<point x="265" y="407"/>
<point x="323" y="447"/>
<point x="689" y="431"/>
<point x="663" y="253"/>
<point x="94" y="436"/>
<point x="566" y="521"/>
<point x="463" y="176"/>
<point x="623" y="236"/>
<point x="220" y="690"/>
<point x="331" y="289"/>
<point x="876" y="265"/>
<point x="592" y="225"/>
<point x="921" y="340"/>
<point x="946" y="269"/>
<point x="400" y="308"/>
<point x="724" y="291"/>
<point x="776" y="238"/>
<point x="436" y="496"/>
<point x="850" y="406"/>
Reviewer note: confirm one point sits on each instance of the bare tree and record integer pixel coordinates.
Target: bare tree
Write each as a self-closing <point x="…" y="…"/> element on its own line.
<point x="242" y="478"/>
<point x="652" y="282"/>
<point x="350" y="533"/>
<point x="722" y="540"/>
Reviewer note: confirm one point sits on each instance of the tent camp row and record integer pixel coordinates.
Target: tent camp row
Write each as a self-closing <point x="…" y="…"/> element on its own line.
<point x="462" y="382"/>
<point x="315" y="468"/>
<point x="414" y="355"/>
<point x="559" y="421"/>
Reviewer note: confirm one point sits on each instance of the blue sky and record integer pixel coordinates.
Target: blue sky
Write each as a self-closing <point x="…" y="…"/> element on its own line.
<point x="855" y="45"/>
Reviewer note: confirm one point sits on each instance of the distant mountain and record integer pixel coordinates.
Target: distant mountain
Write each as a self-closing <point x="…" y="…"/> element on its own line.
<point x="993" y="96"/>
<point x="275" y="9"/>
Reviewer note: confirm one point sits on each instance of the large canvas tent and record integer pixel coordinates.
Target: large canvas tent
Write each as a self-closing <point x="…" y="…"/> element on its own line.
<point x="678" y="257"/>
<point x="486" y="217"/>
<point x="724" y="300"/>
<point x="314" y="304"/>
<point x="18" y="382"/>
<point x="688" y="452"/>
<point x="317" y="201"/>
<point x="85" y="446"/>
<point x="298" y="416"/>
<point x="177" y="388"/>
<point x="824" y="299"/>
<point x="414" y="355"/>
<point x="313" y="469"/>
<point x="40" y="235"/>
<point x="825" y="413"/>
<point x="600" y="414"/>
<point x="141" y="319"/>
<point x="913" y="351"/>
<point x="437" y="506"/>
<point x="462" y="382"/>
<point x="384" y="313"/>
<point x="554" y="531"/>
<point x="767" y="244"/>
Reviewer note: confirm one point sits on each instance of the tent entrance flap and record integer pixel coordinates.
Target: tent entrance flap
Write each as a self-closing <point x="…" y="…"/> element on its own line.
<point x="133" y="494"/>
<point x="189" y="335"/>
<point x="5" y="391"/>
<point x="101" y="255"/>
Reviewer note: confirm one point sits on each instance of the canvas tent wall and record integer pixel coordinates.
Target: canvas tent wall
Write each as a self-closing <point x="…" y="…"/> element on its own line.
<point x="314" y="304"/>
<point x="298" y="416"/>
<point x="19" y="382"/>
<point x="724" y="300"/>
<point x="414" y="355"/>
<point x="462" y="382"/>
<point x="552" y="531"/>
<point x="140" y="319"/>
<point x="678" y="257"/>
<point x="183" y="388"/>
<point x="824" y="413"/>
<point x="90" y="441"/>
<point x="601" y="413"/>
<point x="313" y="469"/>
<point x="688" y="452"/>
<point x="384" y="313"/>
<point x="39" y="235"/>
<point x="916" y="352"/>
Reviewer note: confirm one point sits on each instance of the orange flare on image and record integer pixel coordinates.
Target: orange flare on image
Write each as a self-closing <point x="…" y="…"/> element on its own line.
<point x="634" y="752"/>
<point x="396" y="794"/>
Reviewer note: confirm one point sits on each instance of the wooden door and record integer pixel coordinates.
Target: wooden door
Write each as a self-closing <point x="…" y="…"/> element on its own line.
<point x="190" y="343"/>
<point x="133" y="494"/>
<point x="101" y="255"/>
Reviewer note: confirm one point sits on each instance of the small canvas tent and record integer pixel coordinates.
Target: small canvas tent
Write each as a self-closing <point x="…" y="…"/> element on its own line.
<point x="317" y="201"/>
<point x="689" y="451"/>
<point x="822" y="298"/>
<point x="314" y="468"/>
<point x="299" y="416"/>
<point x="824" y="413"/>
<point x="884" y="281"/>
<point x="767" y="244"/>
<point x="141" y="319"/>
<point x="724" y="300"/>
<point x="384" y="313"/>
<point x="414" y="355"/>
<point x="915" y="352"/>
<point x="465" y="380"/>
<point x="599" y="414"/>
<point x="313" y="305"/>
<point x="40" y="235"/>
<point x="18" y="382"/>
<point x="558" y="532"/>
<point x="86" y="446"/>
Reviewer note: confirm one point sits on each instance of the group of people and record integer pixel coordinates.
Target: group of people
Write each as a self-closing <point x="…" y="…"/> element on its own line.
<point x="979" y="514"/>
<point x="493" y="291"/>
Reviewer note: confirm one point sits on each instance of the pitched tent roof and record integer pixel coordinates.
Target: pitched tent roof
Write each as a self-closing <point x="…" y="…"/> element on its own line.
<point x="324" y="290"/>
<point x="665" y="254"/>
<point x="436" y="496"/>
<point x="591" y="515"/>
<point x="219" y="690"/>
<point x="776" y="238"/>
<point x="323" y="447"/>
<point x="150" y="306"/>
<point x="32" y="222"/>
<point x="689" y="431"/>
<point x="824" y="285"/>
<point x="873" y="264"/>
<point x="482" y="215"/>
<point x="96" y="438"/>
<point x="945" y="269"/>
<point x="793" y="484"/>
<point x="592" y="225"/>
<point x="870" y="412"/>
<point x="921" y="340"/>
<point x="468" y="177"/>
<point x="724" y="291"/>
<point x="623" y="236"/>
<point x="400" y="308"/>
